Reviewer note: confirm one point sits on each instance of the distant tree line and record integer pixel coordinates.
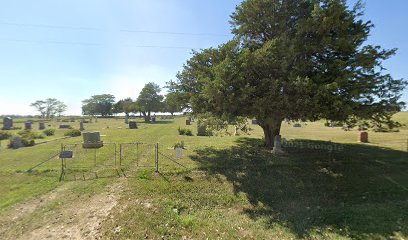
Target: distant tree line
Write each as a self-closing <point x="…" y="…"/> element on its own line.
<point x="149" y="100"/>
<point x="49" y="107"/>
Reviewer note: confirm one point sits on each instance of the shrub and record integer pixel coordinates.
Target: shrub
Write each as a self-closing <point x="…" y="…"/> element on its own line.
<point x="179" y="145"/>
<point x="73" y="133"/>
<point x="5" y="135"/>
<point x="49" y="132"/>
<point x="28" y="142"/>
<point x="185" y="131"/>
<point x="28" y="134"/>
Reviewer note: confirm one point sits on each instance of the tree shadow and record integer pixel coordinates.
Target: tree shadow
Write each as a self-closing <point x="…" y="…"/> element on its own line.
<point x="353" y="190"/>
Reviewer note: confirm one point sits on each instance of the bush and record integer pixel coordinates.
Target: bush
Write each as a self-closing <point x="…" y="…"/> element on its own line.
<point x="73" y="133"/>
<point x="28" y="134"/>
<point x="28" y="142"/>
<point x="49" y="132"/>
<point x="179" y="145"/>
<point x="5" y="135"/>
<point x="185" y="131"/>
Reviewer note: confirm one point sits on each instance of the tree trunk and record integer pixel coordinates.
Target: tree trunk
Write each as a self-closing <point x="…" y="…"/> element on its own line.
<point x="271" y="128"/>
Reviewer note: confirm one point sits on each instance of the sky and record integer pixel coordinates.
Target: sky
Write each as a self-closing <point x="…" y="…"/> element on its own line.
<point x="73" y="49"/>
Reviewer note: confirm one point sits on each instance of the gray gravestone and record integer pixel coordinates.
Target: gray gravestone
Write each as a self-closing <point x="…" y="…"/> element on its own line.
<point x="81" y="126"/>
<point x="28" y="125"/>
<point x="254" y="121"/>
<point x="153" y="119"/>
<point x="92" y="140"/>
<point x="41" y="125"/>
<point x="188" y="122"/>
<point x="63" y="126"/>
<point x="277" y="146"/>
<point x="201" y="129"/>
<point x="126" y="119"/>
<point x="132" y="125"/>
<point x="297" y="125"/>
<point x="7" y="123"/>
<point x="72" y="119"/>
<point x="16" y="142"/>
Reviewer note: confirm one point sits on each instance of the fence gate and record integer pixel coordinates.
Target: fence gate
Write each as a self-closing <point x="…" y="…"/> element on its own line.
<point x="133" y="156"/>
<point x="88" y="163"/>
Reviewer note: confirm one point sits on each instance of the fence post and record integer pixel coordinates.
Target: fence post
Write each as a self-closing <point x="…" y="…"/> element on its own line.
<point x="157" y="157"/>
<point x="120" y="154"/>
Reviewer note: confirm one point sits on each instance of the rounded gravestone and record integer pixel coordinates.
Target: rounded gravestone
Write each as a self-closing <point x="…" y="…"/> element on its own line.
<point x="7" y="123"/>
<point x="41" y="125"/>
<point x="364" y="137"/>
<point x="132" y="125"/>
<point x="28" y="125"/>
<point x="92" y="140"/>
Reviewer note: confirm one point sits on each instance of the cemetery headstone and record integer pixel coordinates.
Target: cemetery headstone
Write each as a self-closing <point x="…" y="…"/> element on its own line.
<point x="126" y="119"/>
<point x="277" y="146"/>
<point x="202" y="129"/>
<point x="41" y="125"/>
<point x="72" y="119"/>
<point x="297" y="125"/>
<point x="132" y="125"/>
<point x="153" y="119"/>
<point x="81" y="126"/>
<point x="28" y="125"/>
<point x="179" y="153"/>
<point x="7" y="123"/>
<point x="16" y="142"/>
<point x="254" y="121"/>
<point x="64" y="126"/>
<point x="364" y="137"/>
<point x="92" y="140"/>
<point x="188" y="122"/>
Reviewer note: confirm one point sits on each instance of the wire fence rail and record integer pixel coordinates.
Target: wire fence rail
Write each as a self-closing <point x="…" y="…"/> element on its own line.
<point x="126" y="159"/>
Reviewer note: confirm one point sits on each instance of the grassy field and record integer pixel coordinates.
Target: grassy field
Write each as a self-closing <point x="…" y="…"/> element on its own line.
<point x="224" y="187"/>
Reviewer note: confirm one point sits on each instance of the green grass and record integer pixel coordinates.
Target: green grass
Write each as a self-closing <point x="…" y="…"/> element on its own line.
<point x="231" y="187"/>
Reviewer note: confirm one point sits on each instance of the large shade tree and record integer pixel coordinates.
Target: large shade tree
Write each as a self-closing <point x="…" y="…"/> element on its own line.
<point x="293" y="60"/>
<point x="149" y="100"/>
<point x="101" y="105"/>
<point x="49" y="107"/>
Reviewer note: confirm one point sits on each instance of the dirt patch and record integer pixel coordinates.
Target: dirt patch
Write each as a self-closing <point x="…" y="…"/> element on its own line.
<point x="80" y="219"/>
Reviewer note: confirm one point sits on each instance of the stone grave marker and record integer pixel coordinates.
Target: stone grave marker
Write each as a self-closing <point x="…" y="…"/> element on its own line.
<point x="64" y="126"/>
<point x="364" y="137"/>
<point x="202" y="129"/>
<point x="132" y="125"/>
<point x="188" y="122"/>
<point x="81" y="126"/>
<point x="41" y="125"/>
<point x="16" y="142"/>
<point x="254" y="121"/>
<point x="126" y="119"/>
<point x="297" y="125"/>
<point x="92" y="140"/>
<point x="277" y="145"/>
<point x="28" y="125"/>
<point x="7" y="123"/>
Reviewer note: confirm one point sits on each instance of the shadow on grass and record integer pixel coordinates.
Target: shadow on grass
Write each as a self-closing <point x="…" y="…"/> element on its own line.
<point x="358" y="190"/>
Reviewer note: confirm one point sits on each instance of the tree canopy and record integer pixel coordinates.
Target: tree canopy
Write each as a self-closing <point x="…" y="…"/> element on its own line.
<point x="149" y="100"/>
<point x="293" y="60"/>
<point x="49" y="107"/>
<point x="98" y="105"/>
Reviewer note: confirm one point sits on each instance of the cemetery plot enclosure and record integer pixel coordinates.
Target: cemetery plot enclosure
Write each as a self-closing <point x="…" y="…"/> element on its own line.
<point x="137" y="155"/>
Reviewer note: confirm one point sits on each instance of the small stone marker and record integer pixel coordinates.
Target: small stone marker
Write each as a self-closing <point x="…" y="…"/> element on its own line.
<point x="64" y="126"/>
<point x="188" y="122"/>
<point x="72" y="119"/>
<point x="41" y="125"/>
<point x="16" y="142"/>
<point x="254" y="121"/>
<point x="297" y="125"/>
<point x="202" y="129"/>
<point x="7" y="123"/>
<point x="66" y="154"/>
<point x="153" y="119"/>
<point x="126" y="119"/>
<point x="179" y="153"/>
<point x="364" y="137"/>
<point x="277" y="145"/>
<point x="81" y="126"/>
<point x="92" y="140"/>
<point x="28" y="125"/>
<point x="132" y="125"/>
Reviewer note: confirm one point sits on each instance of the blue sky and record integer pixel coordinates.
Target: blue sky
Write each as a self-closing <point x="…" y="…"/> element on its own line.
<point x="73" y="49"/>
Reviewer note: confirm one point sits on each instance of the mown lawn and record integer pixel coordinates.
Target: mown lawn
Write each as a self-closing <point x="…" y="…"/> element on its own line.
<point x="231" y="187"/>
